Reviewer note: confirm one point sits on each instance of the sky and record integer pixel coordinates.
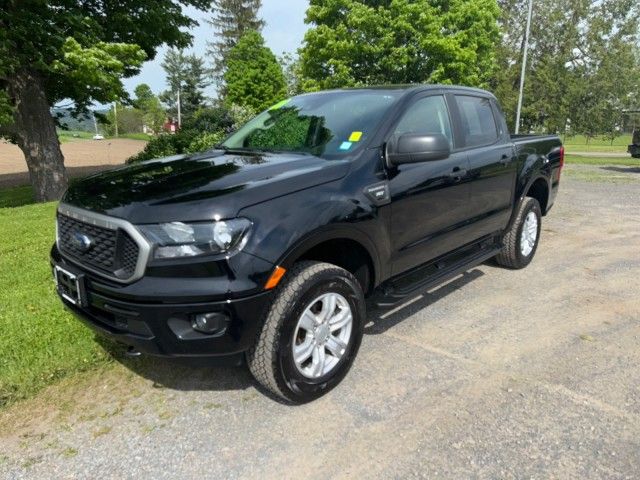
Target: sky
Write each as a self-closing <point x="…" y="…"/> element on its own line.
<point x="283" y="32"/>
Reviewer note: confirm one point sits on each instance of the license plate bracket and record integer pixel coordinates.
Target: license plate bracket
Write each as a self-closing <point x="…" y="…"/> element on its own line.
<point x="70" y="286"/>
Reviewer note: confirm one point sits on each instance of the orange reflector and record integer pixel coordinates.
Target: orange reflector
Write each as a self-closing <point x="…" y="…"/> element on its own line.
<point x="275" y="278"/>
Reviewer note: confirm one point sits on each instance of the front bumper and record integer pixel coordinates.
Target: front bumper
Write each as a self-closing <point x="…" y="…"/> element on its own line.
<point x="157" y="324"/>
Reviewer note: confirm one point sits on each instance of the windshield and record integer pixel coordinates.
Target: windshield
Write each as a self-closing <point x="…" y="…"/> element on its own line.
<point x="323" y="124"/>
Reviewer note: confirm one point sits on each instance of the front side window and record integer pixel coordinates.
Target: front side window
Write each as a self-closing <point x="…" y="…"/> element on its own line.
<point x="323" y="124"/>
<point x="426" y="116"/>
<point x="478" y="123"/>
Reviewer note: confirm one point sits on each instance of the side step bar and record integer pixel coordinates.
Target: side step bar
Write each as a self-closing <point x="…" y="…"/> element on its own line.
<point x="430" y="275"/>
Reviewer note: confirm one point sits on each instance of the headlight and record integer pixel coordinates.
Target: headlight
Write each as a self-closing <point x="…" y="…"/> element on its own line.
<point x="177" y="239"/>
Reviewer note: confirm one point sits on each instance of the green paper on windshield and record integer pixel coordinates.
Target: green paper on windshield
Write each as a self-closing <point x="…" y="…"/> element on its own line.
<point x="280" y="104"/>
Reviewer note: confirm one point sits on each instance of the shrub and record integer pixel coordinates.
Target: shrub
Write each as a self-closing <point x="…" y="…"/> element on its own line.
<point x="208" y="127"/>
<point x="205" y="141"/>
<point x="241" y="115"/>
<point x="211" y="120"/>
<point x="164" y="146"/>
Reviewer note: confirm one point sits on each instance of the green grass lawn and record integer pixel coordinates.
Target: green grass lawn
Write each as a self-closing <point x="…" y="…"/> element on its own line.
<point x="40" y="342"/>
<point x="579" y="143"/>
<point x="66" y="136"/>
<point x="136" y="136"/>
<point x="577" y="159"/>
<point x="16" y="196"/>
<point x="73" y="135"/>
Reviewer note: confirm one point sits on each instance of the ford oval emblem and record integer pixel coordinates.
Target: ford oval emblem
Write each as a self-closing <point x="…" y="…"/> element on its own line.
<point x="81" y="241"/>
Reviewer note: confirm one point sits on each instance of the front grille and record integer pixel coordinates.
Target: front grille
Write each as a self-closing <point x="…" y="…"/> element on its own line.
<point x="129" y="254"/>
<point x="112" y="251"/>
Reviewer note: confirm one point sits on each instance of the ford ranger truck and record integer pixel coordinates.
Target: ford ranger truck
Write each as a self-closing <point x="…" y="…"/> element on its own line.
<point x="268" y="248"/>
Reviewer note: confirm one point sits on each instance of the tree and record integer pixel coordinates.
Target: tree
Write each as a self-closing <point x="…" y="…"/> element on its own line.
<point x="143" y="94"/>
<point x="129" y="120"/>
<point x="153" y="115"/>
<point x="581" y="64"/>
<point x="185" y="74"/>
<point x="57" y="49"/>
<point x="144" y="109"/>
<point x="367" y="42"/>
<point x="290" y="65"/>
<point x="254" y="77"/>
<point x="609" y="68"/>
<point x="549" y="83"/>
<point x="231" y="19"/>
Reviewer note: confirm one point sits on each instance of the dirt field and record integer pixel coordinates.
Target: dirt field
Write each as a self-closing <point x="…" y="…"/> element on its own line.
<point x="80" y="157"/>
<point x="498" y="374"/>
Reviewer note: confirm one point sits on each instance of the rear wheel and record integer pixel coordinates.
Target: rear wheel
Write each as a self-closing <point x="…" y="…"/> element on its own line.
<point x="311" y="332"/>
<point x="521" y="240"/>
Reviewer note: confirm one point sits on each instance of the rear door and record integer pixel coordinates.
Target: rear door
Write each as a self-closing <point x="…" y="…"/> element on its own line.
<point x="492" y="167"/>
<point x="429" y="200"/>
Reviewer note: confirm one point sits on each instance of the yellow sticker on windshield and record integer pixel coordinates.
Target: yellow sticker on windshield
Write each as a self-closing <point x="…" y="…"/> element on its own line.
<point x="280" y="104"/>
<point x="355" y="136"/>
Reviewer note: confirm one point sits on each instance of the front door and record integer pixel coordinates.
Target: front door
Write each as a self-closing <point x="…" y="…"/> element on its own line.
<point x="429" y="200"/>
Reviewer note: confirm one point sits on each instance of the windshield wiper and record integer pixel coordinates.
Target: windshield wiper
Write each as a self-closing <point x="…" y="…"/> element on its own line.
<point x="241" y="151"/>
<point x="257" y="151"/>
<point x="294" y="152"/>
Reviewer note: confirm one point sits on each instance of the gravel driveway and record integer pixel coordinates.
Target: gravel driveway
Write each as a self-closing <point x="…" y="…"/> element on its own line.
<point x="498" y="374"/>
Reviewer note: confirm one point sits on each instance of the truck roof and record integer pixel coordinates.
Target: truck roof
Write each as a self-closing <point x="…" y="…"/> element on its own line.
<point x="416" y="87"/>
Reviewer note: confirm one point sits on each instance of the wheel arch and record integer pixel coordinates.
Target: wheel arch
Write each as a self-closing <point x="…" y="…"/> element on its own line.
<point x="346" y="247"/>
<point x="539" y="189"/>
<point x="542" y="188"/>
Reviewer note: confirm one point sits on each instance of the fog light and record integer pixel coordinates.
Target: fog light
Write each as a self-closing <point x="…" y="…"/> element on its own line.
<point x="210" y="323"/>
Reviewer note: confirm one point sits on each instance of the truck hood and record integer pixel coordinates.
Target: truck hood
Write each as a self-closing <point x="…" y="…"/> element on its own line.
<point x="198" y="187"/>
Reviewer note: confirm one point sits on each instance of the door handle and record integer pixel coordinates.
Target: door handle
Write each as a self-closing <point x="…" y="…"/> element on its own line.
<point x="457" y="174"/>
<point x="505" y="159"/>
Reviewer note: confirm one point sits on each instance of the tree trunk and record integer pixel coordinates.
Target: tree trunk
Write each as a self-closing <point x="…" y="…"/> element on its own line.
<point x="35" y="132"/>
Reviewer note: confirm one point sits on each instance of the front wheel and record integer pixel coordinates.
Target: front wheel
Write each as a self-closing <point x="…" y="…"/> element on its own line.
<point x="521" y="240"/>
<point x="311" y="332"/>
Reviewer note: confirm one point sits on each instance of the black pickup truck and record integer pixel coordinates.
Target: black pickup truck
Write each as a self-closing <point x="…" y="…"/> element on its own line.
<point x="268" y="248"/>
<point x="634" y="148"/>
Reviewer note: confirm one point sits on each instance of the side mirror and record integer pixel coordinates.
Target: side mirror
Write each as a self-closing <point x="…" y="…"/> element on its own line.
<point x="414" y="148"/>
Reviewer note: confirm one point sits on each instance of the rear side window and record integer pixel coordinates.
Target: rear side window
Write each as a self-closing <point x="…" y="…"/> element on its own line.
<point x="478" y="123"/>
<point x="428" y="115"/>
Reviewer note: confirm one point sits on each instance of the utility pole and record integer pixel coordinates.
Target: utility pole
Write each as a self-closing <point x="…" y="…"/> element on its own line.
<point x="524" y="66"/>
<point x="179" y="112"/>
<point x="115" y="116"/>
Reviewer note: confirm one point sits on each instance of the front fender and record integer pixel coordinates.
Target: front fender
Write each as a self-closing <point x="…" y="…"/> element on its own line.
<point x="286" y="227"/>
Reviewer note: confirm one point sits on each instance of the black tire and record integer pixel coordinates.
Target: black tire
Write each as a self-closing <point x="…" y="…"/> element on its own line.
<point x="511" y="255"/>
<point x="271" y="361"/>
